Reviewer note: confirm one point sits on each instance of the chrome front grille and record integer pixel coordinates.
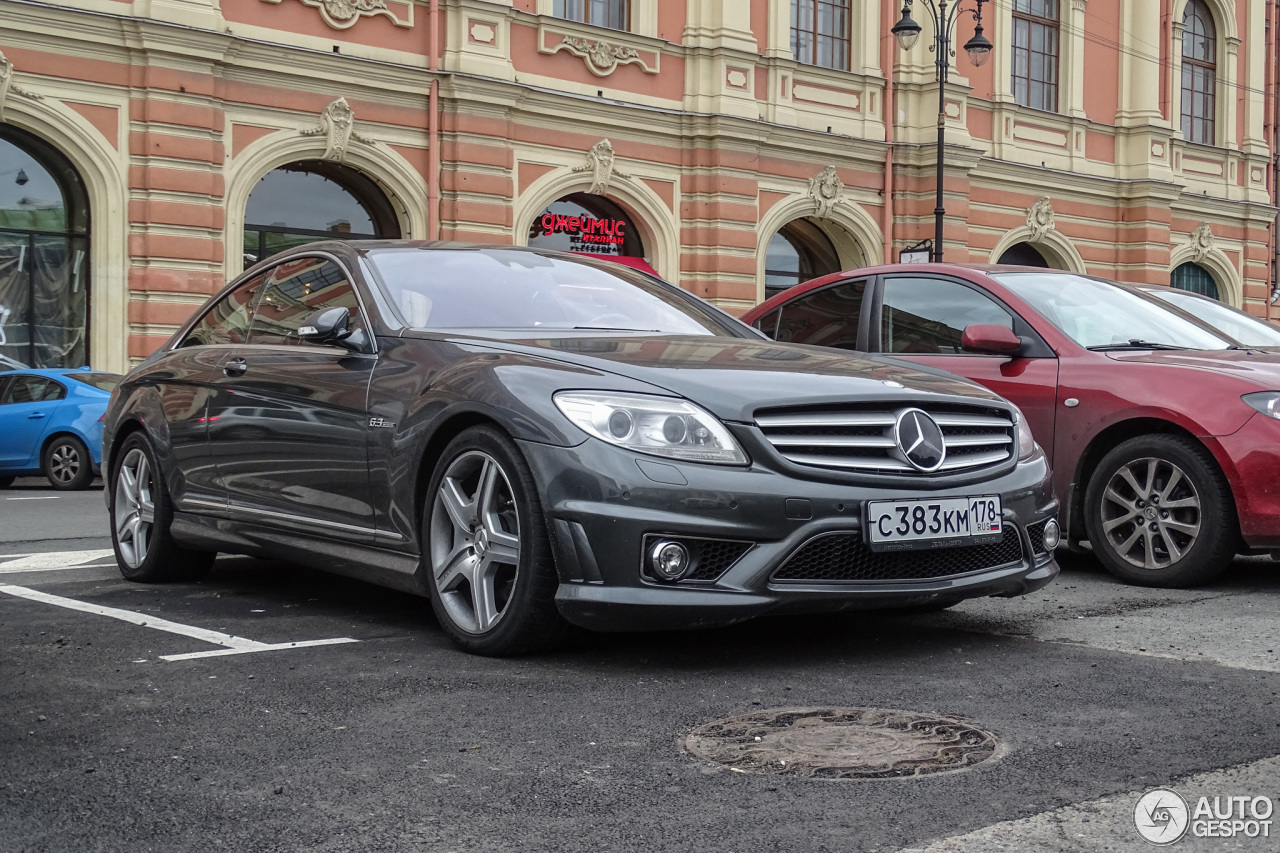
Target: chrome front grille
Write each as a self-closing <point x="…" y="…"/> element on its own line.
<point x="861" y="438"/>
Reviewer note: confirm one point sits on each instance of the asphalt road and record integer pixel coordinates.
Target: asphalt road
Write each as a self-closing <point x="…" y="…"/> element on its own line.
<point x="1096" y="692"/>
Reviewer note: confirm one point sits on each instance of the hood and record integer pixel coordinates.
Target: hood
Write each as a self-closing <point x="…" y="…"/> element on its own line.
<point x="733" y="377"/>
<point x="1252" y="365"/>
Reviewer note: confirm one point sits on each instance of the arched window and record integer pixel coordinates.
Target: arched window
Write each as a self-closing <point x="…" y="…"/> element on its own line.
<point x="1199" y="74"/>
<point x="587" y="224"/>
<point x="801" y="250"/>
<point x="1023" y="255"/>
<point x="1194" y="278"/>
<point x="44" y="254"/>
<point x="314" y="200"/>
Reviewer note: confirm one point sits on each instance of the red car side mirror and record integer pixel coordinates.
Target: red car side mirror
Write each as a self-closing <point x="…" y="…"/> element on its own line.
<point x="984" y="338"/>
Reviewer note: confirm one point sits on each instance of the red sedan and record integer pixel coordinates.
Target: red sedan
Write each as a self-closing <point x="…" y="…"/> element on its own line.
<point x="1165" y="439"/>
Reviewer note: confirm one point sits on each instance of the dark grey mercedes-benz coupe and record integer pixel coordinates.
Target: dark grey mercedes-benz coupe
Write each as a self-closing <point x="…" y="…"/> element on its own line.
<point x="537" y="439"/>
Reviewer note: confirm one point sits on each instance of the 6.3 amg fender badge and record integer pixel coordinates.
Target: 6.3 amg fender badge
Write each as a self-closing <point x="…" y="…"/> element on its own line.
<point x="381" y="422"/>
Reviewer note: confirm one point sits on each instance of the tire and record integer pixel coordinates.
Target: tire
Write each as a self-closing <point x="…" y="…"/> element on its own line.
<point x="145" y="550"/>
<point x="67" y="464"/>
<point x="1159" y="512"/>
<point x="6" y="482"/>
<point x="486" y="553"/>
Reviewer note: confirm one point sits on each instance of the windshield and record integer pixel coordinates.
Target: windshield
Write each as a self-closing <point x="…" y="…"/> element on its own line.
<point x="1097" y="314"/>
<point x="102" y="381"/>
<point x="496" y="289"/>
<point x="1245" y="328"/>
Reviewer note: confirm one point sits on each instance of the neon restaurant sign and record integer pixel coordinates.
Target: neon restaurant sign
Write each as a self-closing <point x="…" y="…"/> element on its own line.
<point x="585" y="229"/>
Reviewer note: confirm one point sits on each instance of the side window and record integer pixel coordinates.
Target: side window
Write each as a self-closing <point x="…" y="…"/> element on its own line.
<point x="298" y="289"/>
<point x="929" y="315"/>
<point x="769" y="322"/>
<point x="228" y="321"/>
<point x="827" y="317"/>
<point x="31" y="389"/>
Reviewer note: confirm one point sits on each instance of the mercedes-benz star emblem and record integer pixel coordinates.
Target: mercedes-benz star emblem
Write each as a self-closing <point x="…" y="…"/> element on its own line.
<point x="920" y="440"/>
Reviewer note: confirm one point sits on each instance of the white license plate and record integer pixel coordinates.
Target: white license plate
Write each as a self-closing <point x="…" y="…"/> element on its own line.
<point x="936" y="523"/>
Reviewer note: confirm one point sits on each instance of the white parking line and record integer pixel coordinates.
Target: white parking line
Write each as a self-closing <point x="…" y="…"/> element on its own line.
<point x="36" y="498"/>
<point x="51" y="561"/>
<point x="232" y="645"/>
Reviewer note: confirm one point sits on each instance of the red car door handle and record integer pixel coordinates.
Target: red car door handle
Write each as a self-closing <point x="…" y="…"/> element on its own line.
<point x="235" y="367"/>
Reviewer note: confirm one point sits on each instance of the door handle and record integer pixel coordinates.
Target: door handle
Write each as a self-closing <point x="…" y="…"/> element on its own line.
<point x="35" y="415"/>
<point x="235" y="367"/>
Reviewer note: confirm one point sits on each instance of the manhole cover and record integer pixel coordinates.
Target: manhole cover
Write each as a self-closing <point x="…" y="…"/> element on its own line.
<point x="841" y="743"/>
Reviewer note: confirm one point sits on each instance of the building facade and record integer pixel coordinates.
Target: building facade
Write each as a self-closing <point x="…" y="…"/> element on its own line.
<point x="150" y="149"/>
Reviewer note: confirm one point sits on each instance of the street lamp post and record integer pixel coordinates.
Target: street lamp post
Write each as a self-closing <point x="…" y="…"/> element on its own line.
<point x="907" y="32"/>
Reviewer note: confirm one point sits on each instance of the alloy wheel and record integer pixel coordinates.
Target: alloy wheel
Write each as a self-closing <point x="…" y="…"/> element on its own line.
<point x="134" y="511"/>
<point x="64" y="463"/>
<point x="1151" y="513"/>
<point x="475" y="541"/>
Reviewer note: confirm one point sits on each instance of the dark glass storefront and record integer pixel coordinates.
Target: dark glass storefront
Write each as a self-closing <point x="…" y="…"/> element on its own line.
<point x="314" y="200"/>
<point x="44" y="254"/>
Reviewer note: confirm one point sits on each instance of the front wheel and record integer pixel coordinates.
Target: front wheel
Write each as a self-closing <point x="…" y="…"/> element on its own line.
<point x="1159" y="512"/>
<point x="6" y="482"/>
<point x="140" y="519"/>
<point x="66" y="464"/>
<point x="493" y="579"/>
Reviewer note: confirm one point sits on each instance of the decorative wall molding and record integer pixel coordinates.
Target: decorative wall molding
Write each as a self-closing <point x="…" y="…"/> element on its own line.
<point x="1202" y="242"/>
<point x="337" y="125"/>
<point x="1040" y="218"/>
<point x="827" y="190"/>
<point x="602" y="58"/>
<point x="8" y="87"/>
<point x="341" y="14"/>
<point x="600" y="164"/>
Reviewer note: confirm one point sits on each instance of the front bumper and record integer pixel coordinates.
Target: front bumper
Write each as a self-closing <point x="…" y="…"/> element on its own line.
<point x="601" y="503"/>
<point x="1251" y="461"/>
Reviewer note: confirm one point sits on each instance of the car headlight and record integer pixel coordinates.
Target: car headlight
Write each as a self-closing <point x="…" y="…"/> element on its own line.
<point x="1267" y="402"/>
<point x="1026" y="441"/>
<point x="661" y="426"/>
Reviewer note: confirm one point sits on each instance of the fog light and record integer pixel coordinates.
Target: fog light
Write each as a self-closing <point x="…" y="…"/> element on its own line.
<point x="669" y="560"/>
<point x="1052" y="535"/>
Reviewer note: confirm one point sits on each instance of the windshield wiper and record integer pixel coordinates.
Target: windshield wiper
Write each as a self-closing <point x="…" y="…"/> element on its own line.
<point x="614" y="329"/>
<point x="1135" y="343"/>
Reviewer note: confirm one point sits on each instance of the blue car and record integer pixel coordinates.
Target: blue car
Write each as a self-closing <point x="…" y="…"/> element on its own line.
<point x="51" y="424"/>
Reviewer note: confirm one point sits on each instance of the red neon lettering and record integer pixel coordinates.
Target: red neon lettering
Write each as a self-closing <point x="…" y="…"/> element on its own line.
<point x="549" y="223"/>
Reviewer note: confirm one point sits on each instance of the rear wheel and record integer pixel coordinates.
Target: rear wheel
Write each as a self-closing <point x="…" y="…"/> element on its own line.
<point x="67" y="464"/>
<point x="493" y="579"/>
<point x="1159" y="512"/>
<point x="140" y="519"/>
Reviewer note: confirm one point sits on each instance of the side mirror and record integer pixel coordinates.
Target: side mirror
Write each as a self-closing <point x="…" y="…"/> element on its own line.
<point x="326" y="326"/>
<point x="990" y="339"/>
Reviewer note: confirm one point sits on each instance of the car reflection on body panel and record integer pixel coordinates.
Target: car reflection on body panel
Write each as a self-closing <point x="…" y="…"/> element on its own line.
<point x="534" y="439"/>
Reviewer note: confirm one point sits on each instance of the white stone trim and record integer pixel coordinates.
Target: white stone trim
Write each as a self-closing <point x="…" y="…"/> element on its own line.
<point x="1056" y="248"/>
<point x="857" y="237"/>
<point x="104" y="172"/>
<point x="1226" y="276"/>
<point x="405" y="188"/>
<point x="659" y="230"/>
